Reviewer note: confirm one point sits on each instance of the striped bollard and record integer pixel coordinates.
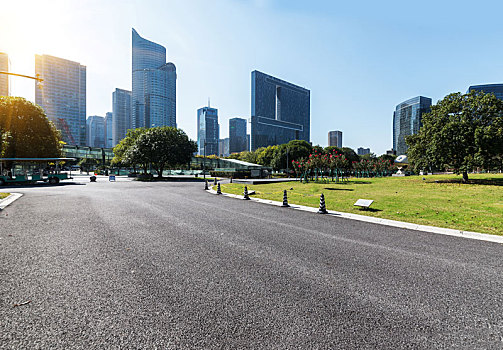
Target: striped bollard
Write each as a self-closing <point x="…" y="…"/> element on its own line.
<point x="219" y="191"/>
<point x="323" y="209"/>
<point x="245" y="194"/>
<point x="285" y="199"/>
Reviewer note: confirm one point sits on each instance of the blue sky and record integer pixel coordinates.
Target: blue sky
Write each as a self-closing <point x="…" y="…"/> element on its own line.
<point x="359" y="59"/>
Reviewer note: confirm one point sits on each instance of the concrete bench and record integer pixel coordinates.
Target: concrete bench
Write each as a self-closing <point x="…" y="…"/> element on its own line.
<point x="363" y="203"/>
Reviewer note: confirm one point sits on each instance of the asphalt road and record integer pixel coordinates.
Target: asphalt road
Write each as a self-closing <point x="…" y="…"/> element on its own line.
<point x="131" y="265"/>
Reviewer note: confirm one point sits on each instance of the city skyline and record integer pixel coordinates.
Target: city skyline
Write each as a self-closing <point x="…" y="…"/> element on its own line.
<point x="355" y="81"/>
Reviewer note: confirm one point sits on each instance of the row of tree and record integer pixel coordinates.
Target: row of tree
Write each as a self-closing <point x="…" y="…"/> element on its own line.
<point x="277" y="157"/>
<point x="462" y="132"/>
<point x="157" y="148"/>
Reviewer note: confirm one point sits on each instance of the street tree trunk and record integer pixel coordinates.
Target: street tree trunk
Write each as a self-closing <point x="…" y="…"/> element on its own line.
<point x="465" y="177"/>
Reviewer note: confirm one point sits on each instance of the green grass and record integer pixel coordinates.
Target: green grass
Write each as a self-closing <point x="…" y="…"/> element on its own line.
<point x="440" y="200"/>
<point x="4" y="195"/>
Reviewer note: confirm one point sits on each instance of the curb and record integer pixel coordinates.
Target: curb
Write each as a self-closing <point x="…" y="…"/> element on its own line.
<point x="9" y="199"/>
<point x="400" y="224"/>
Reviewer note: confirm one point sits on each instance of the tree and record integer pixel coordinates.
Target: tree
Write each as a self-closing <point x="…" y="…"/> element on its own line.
<point x="265" y="155"/>
<point x="163" y="147"/>
<point x="124" y="145"/>
<point x="296" y="149"/>
<point x="25" y="131"/>
<point x="461" y="132"/>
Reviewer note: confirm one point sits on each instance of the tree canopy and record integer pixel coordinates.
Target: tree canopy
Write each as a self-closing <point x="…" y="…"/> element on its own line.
<point x="25" y="131"/>
<point x="462" y="131"/>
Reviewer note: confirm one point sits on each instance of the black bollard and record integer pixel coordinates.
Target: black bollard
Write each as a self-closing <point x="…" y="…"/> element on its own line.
<point x="323" y="209"/>
<point x="245" y="194"/>
<point x="219" y="191"/>
<point x="206" y="185"/>
<point x="215" y="181"/>
<point x="285" y="200"/>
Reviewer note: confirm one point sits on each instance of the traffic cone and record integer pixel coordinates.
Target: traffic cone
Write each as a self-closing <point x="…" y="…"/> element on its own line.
<point x="206" y="185"/>
<point x="285" y="199"/>
<point x="323" y="209"/>
<point x="219" y="191"/>
<point x="245" y="194"/>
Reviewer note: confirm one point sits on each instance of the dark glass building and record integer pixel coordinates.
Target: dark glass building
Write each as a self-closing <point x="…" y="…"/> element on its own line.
<point x="280" y="111"/>
<point x="407" y="120"/>
<point x="237" y="135"/>
<point x="208" y="131"/>
<point x="496" y="89"/>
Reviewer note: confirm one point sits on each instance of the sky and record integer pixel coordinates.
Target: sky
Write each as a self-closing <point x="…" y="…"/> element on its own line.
<point x="359" y="59"/>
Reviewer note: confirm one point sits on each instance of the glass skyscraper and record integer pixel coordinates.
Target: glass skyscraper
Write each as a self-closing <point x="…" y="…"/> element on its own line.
<point x="407" y="121"/>
<point x="96" y="131"/>
<point x="208" y="131"/>
<point x="4" y="78"/>
<point x="237" y="135"/>
<point x="335" y="138"/>
<point x="280" y="111"/>
<point x="154" y="85"/>
<point x="63" y="96"/>
<point x="496" y="89"/>
<point x="121" y="110"/>
<point x="108" y="130"/>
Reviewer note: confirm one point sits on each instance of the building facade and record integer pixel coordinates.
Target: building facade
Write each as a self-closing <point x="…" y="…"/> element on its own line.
<point x="208" y="131"/>
<point x="63" y="96"/>
<point x="4" y="78"/>
<point x="223" y="147"/>
<point x="496" y="89"/>
<point x="407" y="120"/>
<point x="108" y="130"/>
<point x="335" y="138"/>
<point x="237" y="135"/>
<point x="280" y="111"/>
<point x="154" y="85"/>
<point x="95" y="131"/>
<point x="362" y="151"/>
<point x="121" y="110"/>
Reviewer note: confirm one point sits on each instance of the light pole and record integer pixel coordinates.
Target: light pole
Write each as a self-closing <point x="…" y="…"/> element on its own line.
<point x="204" y="160"/>
<point x="36" y="77"/>
<point x="287" y="171"/>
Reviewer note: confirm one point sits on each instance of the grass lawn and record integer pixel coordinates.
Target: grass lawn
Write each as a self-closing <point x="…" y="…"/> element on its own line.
<point x="440" y="200"/>
<point x="3" y="195"/>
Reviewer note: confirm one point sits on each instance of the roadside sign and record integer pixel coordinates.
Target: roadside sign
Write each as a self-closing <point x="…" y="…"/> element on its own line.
<point x="111" y="178"/>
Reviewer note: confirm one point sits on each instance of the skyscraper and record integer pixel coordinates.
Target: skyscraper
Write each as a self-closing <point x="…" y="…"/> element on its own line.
<point x="63" y="96"/>
<point x="280" y="111"/>
<point x="208" y="130"/>
<point x="154" y="85"/>
<point x="109" y="143"/>
<point x="121" y="109"/>
<point x="335" y="138"/>
<point x="407" y="120"/>
<point x="237" y="135"/>
<point x="95" y="131"/>
<point x="496" y="89"/>
<point x="4" y="78"/>
<point x="362" y="151"/>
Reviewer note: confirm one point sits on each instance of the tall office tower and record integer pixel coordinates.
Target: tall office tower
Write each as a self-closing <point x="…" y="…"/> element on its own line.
<point x="248" y="142"/>
<point x="335" y="138"/>
<point x="496" y="89"/>
<point x="362" y="151"/>
<point x="237" y="135"/>
<point x="96" y="131"/>
<point x="280" y="111"/>
<point x="63" y="96"/>
<point x="208" y="131"/>
<point x="108" y="130"/>
<point x="4" y="78"/>
<point x="223" y="147"/>
<point x="121" y="121"/>
<point x="154" y="85"/>
<point x="407" y="121"/>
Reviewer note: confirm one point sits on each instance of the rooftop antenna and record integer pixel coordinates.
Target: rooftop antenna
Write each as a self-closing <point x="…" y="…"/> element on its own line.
<point x="208" y="102"/>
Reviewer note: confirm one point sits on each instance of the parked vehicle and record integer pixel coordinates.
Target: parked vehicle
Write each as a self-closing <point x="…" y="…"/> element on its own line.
<point x="32" y="170"/>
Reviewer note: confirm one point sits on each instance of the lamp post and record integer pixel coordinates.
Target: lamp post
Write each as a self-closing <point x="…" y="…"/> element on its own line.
<point x="287" y="171"/>
<point x="204" y="160"/>
<point x="36" y="77"/>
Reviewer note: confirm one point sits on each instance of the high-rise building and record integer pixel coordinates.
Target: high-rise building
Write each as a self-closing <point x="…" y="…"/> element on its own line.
<point x="335" y="138"/>
<point x="4" y="78"/>
<point x="237" y="135"/>
<point x="223" y="147"/>
<point x="208" y="131"/>
<point x="109" y="141"/>
<point x="154" y="85"/>
<point x="96" y="131"/>
<point x="407" y="120"/>
<point x="362" y="151"/>
<point x="63" y="96"/>
<point x="496" y="89"/>
<point x="121" y="109"/>
<point x="280" y="111"/>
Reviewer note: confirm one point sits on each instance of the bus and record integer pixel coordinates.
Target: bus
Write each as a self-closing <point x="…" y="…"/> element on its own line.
<point x="33" y="170"/>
